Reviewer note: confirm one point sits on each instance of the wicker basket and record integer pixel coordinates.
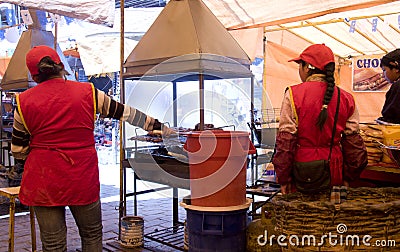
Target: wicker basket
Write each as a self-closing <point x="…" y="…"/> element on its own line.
<point x="367" y="212"/>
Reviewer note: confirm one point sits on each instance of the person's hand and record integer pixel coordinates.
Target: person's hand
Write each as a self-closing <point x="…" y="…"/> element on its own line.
<point x="345" y="183"/>
<point x="286" y="188"/>
<point x="167" y="131"/>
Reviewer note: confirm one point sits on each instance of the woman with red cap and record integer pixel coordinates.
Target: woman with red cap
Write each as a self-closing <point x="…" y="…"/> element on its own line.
<point x="53" y="137"/>
<point x="307" y="121"/>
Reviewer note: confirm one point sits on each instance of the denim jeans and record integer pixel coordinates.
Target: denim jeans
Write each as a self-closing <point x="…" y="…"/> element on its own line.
<point x="53" y="229"/>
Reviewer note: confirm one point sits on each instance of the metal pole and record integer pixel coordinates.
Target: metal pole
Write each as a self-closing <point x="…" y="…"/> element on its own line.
<point x="175" y="103"/>
<point x="264" y="79"/>
<point x="253" y="162"/>
<point x="201" y="97"/>
<point x="122" y="177"/>
<point x="55" y="35"/>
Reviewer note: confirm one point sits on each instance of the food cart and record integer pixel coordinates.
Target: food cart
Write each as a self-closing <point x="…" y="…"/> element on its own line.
<point x="183" y="59"/>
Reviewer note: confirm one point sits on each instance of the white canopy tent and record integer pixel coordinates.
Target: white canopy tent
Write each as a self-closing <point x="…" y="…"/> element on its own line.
<point x="94" y="11"/>
<point x="334" y="28"/>
<point x="351" y="29"/>
<point x="259" y="13"/>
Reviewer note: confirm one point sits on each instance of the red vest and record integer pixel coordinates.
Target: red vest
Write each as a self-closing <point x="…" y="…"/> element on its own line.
<point x="313" y="144"/>
<point x="61" y="168"/>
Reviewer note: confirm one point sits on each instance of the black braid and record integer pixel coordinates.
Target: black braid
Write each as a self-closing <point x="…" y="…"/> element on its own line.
<point x="323" y="115"/>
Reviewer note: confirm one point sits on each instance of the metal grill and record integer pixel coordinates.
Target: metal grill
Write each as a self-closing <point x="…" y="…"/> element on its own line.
<point x="172" y="237"/>
<point x="270" y="115"/>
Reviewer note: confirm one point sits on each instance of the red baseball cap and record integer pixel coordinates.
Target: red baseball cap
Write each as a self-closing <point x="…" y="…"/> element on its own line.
<point x="318" y="55"/>
<point x="36" y="54"/>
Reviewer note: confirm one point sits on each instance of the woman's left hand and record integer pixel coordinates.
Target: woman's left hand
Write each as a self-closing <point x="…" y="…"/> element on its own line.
<point x="167" y="131"/>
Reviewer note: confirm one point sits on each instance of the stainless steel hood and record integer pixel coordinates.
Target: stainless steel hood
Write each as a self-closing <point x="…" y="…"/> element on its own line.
<point x="187" y="37"/>
<point x="17" y="76"/>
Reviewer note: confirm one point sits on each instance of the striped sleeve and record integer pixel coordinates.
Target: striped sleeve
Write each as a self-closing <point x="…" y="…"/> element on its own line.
<point x="112" y="109"/>
<point x="20" y="138"/>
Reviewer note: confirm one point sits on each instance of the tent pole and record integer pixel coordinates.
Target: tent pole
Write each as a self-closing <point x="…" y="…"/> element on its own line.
<point x="252" y="119"/>
<point x="122" y="189"/>
<point x="55" y="35"/>
<point x="264" y="79"/>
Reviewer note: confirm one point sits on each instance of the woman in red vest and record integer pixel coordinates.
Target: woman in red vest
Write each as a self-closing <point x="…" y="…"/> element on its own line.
<point x="307" y="118"/>
<point x="53" y="137"/>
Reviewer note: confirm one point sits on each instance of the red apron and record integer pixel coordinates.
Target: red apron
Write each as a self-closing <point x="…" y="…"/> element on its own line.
<point x="61" y="168"/>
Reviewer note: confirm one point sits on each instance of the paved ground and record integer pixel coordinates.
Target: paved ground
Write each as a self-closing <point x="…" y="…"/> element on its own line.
<point x="155" y="208"/>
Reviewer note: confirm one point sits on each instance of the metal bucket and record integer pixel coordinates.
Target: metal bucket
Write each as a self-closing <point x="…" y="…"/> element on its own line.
<point x="132" y="231"/>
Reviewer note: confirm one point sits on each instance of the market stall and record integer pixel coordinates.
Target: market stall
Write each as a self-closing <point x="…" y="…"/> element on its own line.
<point x="187" y="58"/>
<point x="170" y="62"/>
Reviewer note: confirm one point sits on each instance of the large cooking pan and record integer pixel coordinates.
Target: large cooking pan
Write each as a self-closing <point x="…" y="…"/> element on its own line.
<point x="161" y="168"/>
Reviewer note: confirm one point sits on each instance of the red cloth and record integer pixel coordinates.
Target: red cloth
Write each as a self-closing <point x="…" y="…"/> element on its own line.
<point x="311" y="143"/>
<point x="284" y="156"/>
<point x="62" y="167"/>
<point x="355" y="156"/>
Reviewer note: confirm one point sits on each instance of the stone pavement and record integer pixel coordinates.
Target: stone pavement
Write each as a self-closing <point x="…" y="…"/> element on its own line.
<point x="155" y="208"/>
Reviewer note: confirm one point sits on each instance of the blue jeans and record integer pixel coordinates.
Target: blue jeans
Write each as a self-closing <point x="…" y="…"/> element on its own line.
<point x="53" y="229"/>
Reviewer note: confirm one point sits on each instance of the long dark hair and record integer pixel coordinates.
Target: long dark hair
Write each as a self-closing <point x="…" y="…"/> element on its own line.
<point x="48" y="69"/>
<point x="330" y="78"/>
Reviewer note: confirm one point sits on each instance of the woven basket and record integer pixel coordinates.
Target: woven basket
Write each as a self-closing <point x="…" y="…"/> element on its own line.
<point x="371" y="212"/>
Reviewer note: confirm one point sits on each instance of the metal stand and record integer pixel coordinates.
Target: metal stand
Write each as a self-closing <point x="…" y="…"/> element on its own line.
<point x="173" y="236"/>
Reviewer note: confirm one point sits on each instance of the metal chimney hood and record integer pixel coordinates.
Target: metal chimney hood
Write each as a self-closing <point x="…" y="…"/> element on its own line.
<point x="187" y="38"/>
<point x="17" y="75"/>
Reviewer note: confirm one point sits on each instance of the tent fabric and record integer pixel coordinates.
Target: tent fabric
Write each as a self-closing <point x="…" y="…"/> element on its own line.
<point x="99" y="46"/>
<point x="101" y="54"/>
<point x="94" y="11"/>
<point x="136" y="22"/>
<point x="232" y="13"/>
<point x="251" y="40"/>
<point x="280" y="74"/>
<point x="337" y="33"/>
<point x="184" y="27"/>
<point x="319" y="21"/>
<point x="259" y="13"/>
